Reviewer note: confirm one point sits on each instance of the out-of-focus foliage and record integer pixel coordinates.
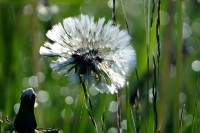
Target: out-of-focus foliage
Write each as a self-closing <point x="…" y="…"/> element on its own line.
<point x="23" y="25"/>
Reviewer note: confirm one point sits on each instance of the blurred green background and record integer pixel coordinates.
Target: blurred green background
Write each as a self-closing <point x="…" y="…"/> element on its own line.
<point x="23" y="25"/>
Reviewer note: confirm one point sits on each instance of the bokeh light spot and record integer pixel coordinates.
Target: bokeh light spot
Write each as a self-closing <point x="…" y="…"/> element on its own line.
<point x="182" y="97"/>
<point x="196" y="65"/>
<point x="186" y="31"/>
<point x="124" y="124"/>
<point x="28" y="9"/>
<point x="188" y="119"/>
<point x="44" y="13"/>
<point x="64" y="91"/>
<point x="113" y="107"/>
<point x="93" y="91"/>
<point x="69" y="100"/>
<point x="41" y="77"/>
<point x="16" y="107"/>
<point x="33" y="81"/>
<point x="112" y="130"/>
<point x="43" y="96"/>
<point x="164" y="18"/>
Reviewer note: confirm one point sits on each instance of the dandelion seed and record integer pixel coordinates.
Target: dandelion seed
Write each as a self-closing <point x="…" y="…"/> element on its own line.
<point x="100" y="54"/>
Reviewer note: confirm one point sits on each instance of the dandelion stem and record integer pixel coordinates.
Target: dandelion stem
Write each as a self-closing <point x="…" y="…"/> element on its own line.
<point x="86" y="94"/>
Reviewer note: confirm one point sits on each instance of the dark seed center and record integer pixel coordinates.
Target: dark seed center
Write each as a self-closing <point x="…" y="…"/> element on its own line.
<point x="86" y="59"/>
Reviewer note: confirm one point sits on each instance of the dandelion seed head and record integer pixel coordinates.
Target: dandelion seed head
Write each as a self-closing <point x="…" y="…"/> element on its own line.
<point x="97" y="52"/>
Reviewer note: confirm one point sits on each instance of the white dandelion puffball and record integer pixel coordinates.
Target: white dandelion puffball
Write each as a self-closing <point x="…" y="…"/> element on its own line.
<point x="95" y="53"/>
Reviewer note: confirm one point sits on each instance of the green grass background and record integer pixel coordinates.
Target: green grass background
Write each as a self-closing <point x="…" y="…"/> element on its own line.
<point x="22" y="32"/>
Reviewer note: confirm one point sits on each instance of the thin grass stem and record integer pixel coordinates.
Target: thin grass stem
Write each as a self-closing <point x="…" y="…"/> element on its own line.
<point x="152" y="12"/>
<point x="133" y="120"/>
<point x="78" y="112"/>
<point x="179" y="65"/>
<point x="118" y="113"/>
<point x="148" y="41"/>
<point x="124" y="14"/>
<point x="158" y="36"/>
<point x="195" y="119"/>
<point x="181" y="119"/>
<point x="114" y="13"/>
<point x="128" y="113"/>
<point x="155" y="98"/>
<point x="103" y="126"/>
